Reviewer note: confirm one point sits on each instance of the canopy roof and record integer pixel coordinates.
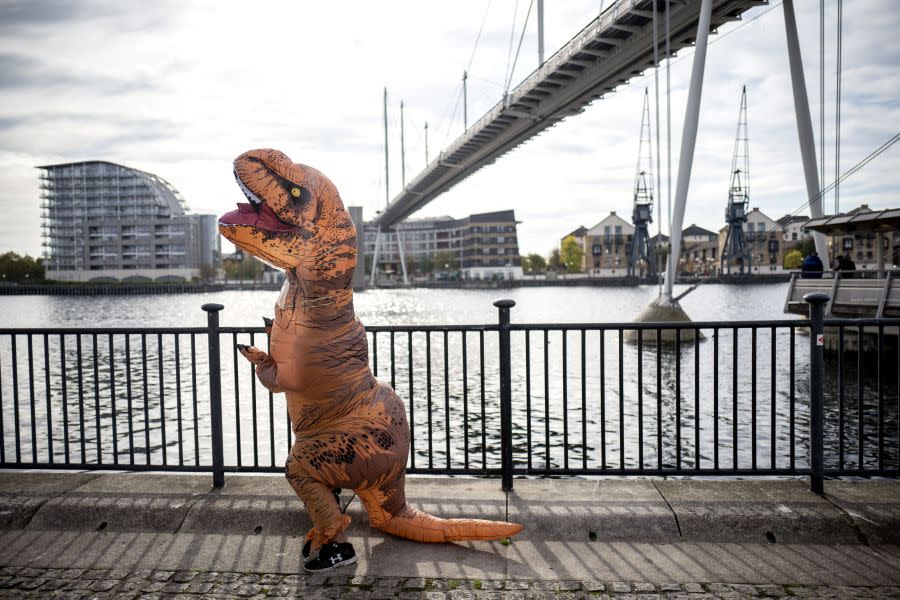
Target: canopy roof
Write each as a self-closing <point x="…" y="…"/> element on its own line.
<point x="860" y="222"/>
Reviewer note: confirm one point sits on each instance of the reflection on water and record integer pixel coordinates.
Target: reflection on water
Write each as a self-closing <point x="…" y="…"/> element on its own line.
<point x="580" y="400"/>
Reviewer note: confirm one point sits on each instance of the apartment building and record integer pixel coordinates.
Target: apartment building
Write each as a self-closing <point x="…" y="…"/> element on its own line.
<point x="699" y="251"/>
<point x="106" y="222"/>
<point x="606" y="246"/>
<point x="480" y="246"/>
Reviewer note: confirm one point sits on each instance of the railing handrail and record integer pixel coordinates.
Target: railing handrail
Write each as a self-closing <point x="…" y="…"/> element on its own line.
<point x="512" y="400"/>
<point x="592" y="326"/>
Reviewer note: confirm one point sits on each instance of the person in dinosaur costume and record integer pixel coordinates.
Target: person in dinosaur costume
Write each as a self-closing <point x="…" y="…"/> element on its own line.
<point x="350" y="428"/>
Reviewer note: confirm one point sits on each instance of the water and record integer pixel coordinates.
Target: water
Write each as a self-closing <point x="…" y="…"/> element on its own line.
<point x="573" y="407"/>
<point x="397" y="306"/>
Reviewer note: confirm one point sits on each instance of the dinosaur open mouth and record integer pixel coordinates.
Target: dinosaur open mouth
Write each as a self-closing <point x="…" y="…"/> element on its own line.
<point x="264" y="219"/>
<point x="256" y="213"/>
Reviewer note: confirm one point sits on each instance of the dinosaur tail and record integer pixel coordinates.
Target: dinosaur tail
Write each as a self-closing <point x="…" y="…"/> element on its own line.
<point x="419" y="526"/>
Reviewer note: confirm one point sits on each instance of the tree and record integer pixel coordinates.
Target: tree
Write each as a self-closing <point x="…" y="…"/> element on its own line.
<point x="533" y="264"/>
<point x="793" y="259"/>
<point x="207" y="273"/>
<point x="246" y="269"/>
<point x="15" y="268"/>
<point x="554" y="261"/>
<point x="445" y="261"/>
<point x="571" y="254"/>
<point x="805" y="247"/>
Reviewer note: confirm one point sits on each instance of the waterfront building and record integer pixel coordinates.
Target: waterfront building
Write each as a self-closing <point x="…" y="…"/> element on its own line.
<point x="606" y="247"/>
<point x="578" y="234"/>
<point x="793" y="228"/>
<point x="699" y="251"/>
<point x="107" y="222"/>
<point x="480" y="246"/>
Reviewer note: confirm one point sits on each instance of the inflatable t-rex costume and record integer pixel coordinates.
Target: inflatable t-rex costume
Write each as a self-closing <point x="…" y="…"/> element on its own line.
<point x="350" y="428"/>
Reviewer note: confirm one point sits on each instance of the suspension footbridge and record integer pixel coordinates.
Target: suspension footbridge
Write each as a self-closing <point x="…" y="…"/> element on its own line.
<point x="613" y="48"/>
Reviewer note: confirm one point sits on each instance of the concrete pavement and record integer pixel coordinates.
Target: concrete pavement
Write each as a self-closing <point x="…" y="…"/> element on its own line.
<point x="681" y="532"/>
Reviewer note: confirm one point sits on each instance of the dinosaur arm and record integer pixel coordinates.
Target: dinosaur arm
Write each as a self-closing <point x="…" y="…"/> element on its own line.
<point x="266" y="368"/>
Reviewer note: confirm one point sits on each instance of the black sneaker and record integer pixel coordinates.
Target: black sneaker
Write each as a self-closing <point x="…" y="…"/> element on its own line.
<point x="331" y="556"/>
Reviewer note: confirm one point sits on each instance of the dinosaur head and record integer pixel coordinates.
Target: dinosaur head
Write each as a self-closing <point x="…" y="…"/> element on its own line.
<point x="294" y="219"/>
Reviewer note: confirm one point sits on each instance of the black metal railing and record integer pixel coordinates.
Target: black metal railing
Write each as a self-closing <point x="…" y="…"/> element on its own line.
<point x="505" y="399"/>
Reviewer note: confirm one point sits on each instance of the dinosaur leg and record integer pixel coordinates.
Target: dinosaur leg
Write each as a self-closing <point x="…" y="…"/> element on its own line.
<point x="321" y="504"/>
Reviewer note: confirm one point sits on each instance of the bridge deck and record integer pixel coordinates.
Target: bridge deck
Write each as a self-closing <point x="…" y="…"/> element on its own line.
<point x="852" y="297"/>
<point x="613" y="48"/>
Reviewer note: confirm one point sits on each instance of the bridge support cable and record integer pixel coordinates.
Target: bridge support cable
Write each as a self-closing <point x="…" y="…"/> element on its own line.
<point x="540" y="18"/>
<point x="375" y="256"/>
<point x="402" y="256"/>
<point x="688" y="142"/>
<point x="822" y="94"/>
<point x="837" y="110"/>
<point x="658" y="170"/>
<point x="387" y="171"/>
<point x="804" y="126"/>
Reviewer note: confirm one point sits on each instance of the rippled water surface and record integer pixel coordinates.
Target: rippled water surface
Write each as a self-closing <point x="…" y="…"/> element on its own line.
<point x="397" y="306"/>
<point x="581" y="399"/>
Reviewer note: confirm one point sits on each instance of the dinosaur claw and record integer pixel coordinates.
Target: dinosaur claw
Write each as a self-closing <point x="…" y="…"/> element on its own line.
<point x="241" y="347"/>
<point x="268" y="324"/>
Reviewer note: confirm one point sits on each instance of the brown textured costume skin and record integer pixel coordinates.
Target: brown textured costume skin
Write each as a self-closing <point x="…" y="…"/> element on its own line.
<point x="350" y="428"/>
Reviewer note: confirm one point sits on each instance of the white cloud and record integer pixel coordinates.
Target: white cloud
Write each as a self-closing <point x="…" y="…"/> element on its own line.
<point x="181" y="89"/>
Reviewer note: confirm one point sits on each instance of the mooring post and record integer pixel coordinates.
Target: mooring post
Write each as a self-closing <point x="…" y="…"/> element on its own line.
<point x="215" y="393"/>
<point x="817" y="302"/>
<point x="506" y="465"/>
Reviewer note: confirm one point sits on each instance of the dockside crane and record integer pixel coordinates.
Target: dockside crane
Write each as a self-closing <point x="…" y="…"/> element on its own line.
<point x="641" y="249"/>
<point x="736" y="248"/>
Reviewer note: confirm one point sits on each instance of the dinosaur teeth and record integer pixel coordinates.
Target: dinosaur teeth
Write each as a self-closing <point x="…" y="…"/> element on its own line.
<point x="250" y="195"/>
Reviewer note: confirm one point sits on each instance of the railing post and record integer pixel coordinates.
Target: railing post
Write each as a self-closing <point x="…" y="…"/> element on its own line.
<point x="817" y="302"/>
<point x="215" y="393"/>
<point x="505" y="396"/>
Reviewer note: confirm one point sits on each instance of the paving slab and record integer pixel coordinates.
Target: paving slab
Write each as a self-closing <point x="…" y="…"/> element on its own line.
<point x="266" y="504"/>
<point x="874" y="506"/>
<point x="124" y="502"/>
<point x="385" y="556"/>
<point x="775" y="511"/>
<point x="590" y="510"/>
<point x="22" y="494"/>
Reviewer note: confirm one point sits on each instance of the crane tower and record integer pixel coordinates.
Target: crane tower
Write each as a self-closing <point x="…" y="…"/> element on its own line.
<point x="641" y="249"/>
<point x="736" y="249"/>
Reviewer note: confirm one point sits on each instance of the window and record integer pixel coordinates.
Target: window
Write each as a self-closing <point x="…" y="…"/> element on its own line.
<point x="761" y="227"/>
<point x="596" y="249"/>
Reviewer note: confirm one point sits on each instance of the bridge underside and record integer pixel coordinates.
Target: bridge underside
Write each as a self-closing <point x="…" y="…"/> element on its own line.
<point x="613" y="48"/>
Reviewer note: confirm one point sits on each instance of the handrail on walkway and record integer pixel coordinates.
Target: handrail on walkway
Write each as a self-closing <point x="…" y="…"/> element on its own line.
<point x="104" y="398"/>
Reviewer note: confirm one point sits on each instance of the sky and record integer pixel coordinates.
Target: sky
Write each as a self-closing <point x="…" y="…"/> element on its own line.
<point x="180" y="88"/>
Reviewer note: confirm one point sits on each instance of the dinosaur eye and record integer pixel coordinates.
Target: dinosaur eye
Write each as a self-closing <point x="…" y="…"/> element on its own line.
<point x="295" y="192"/>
